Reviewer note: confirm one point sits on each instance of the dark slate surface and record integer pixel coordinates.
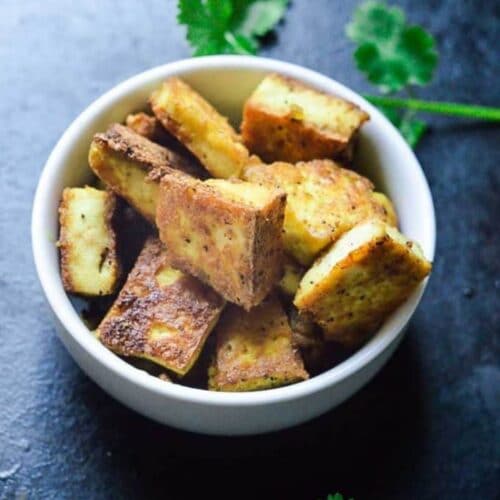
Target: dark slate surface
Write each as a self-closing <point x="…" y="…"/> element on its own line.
<point x="427" y="426"/>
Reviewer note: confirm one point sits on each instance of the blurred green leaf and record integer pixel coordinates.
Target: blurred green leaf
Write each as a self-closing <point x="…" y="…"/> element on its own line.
<point x="337" y="496"/>
<point x="390" y="52"/>
<point x="228" y="26"/>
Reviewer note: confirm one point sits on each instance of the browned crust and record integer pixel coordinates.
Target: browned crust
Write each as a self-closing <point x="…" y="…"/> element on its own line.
<point x="150" y="127"/>
<point x="120" y="144"/>
<point x="192" y="132"/>
<point x="173" y="126"/>
<point x="263" y="332"/>
<point x="187" y="306"/>
<point x="105" y="163"/>
<point x="283" y="137"/>
<point x="268" y="251"/>
<point x="243" y="278"/>
<point x="112" y="212"/>
<point x="324" y="200"/>
<point x="150" y="156"/>
<point x="332" y="172"/>
<point x="328" y="171"/>
<point x="382" y="259"/>
<point x="64" y="242"/>
<point x="143" y="124"/>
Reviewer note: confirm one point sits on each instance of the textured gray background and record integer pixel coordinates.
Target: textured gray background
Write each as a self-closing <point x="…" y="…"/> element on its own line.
<point x="427" y="426"/>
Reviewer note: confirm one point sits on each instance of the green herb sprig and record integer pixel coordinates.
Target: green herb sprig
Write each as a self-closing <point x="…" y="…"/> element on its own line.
<point x="228" y="26"/>
<point x="395" y="56"/>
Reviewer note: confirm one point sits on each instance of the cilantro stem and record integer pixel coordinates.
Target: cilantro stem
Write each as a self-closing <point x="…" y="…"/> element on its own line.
<point x="446" y="108"/>
<point x="235" y="44"/>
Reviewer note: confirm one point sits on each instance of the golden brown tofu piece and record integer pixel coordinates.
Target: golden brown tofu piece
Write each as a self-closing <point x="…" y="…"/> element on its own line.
<point x="131" y="166"/>
<point x="87" y="242"/>
<point x="323" y="202"/>
<point x="254" y="350"/>
<point x="226" y="233"/>
<point x="160" y="314"/>
<point x="198" y="125"/>
<point x="150" y="127"/>
<point x="389" y="212"/>
<point x="292" y="274"/>
<point x="146" y="125"/>
<point x="364" y="276"/>
<point x="285" y="120"/>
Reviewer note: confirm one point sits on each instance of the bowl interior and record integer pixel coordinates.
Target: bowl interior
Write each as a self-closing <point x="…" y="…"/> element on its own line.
<point x="227" y="81"/>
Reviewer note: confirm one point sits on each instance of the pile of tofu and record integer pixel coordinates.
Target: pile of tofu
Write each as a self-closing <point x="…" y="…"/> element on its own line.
<point x="263" y="242"/>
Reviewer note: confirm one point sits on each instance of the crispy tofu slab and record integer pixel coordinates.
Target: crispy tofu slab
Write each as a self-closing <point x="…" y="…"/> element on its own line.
<point x="323" y="202"/>
<point x="161" y="314"/>
<point x="285" y="120"/>
<point x="87" y="242"/>
<point x="131" y="166"/>
<point x="226" y="233"/>
<point x="254" y="350"/>
<point x="198" y="125"/>
<point x="364" y="276"/>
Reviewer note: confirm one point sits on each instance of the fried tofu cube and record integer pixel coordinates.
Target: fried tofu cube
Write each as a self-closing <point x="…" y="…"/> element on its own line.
<point x="160" y="314"/>
<point x="254" y="350"/>
<point x="150" y="127"/>
<point x="226" y="233"/>
<point x="323" y="202"/>
<point x="146" y="125"/>
<point x="292" y="274"/>
<point x="285" y="120"/>
<point x="364" y="276"/>
<point x="389" y="214"/>
<point x="199" y="126"/>
<point x="87" y="242"/>
<point x="131" y="166"/>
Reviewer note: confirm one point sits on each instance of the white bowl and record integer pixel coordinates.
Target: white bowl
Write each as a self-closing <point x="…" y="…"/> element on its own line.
<point x="226" y="81"/>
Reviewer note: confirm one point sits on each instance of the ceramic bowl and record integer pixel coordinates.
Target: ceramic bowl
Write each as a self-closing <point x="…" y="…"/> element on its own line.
<point x="226" y="81"/>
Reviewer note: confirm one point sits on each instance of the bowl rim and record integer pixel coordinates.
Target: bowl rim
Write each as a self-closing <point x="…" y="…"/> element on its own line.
<point x="64" y="311"/>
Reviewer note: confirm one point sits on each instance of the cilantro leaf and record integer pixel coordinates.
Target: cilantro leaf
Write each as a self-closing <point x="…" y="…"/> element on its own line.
<point x="228" y="26"/>
<point x="374" y="22"/>
<point x="258" y="17"/>
<point x="410" y="128"/>
<point x="390" y="52"/>
<point x="337" y="496"/>
<point x="207" y="23"/>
